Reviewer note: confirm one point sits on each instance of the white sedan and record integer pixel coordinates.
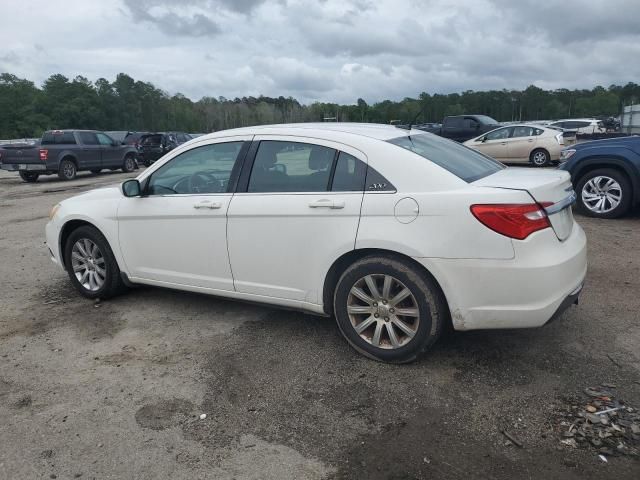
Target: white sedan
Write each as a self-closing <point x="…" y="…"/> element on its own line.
<point x="397" y="233"/>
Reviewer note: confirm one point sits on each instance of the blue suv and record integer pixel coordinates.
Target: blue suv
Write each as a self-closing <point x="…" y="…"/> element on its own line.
<point x="605" y="175"/>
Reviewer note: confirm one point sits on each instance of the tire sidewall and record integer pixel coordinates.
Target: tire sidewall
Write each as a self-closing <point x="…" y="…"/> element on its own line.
<point x="625" y="201"/>
<point x="422" y="289"/>
<point x="111" y="266"/>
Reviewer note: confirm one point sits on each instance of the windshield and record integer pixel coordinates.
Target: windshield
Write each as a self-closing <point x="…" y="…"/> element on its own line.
<point x="463" y="162"/>
<point x="487" y="120"/>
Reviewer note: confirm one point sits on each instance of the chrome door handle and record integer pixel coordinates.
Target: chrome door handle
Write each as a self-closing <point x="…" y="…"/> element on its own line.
<point x="530" y="140"/>
<point x="209" y="205"/>
<point x="326" y="203"/>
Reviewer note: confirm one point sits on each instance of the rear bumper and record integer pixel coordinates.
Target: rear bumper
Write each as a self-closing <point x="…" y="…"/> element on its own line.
<point x="21" y="167"/>
<point x="542" y="280"/>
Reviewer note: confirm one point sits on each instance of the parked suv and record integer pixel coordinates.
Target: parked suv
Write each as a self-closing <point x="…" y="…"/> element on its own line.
<point x="606" y="175"/>
<point x="66" y="152"/>
<point x="155" y="145"/>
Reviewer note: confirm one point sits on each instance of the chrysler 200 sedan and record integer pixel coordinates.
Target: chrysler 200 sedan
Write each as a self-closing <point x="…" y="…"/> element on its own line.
<point x="397" y="233"/>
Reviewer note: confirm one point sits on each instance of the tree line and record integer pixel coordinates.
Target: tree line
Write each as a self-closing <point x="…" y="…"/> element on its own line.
<point x="26" y="110"/>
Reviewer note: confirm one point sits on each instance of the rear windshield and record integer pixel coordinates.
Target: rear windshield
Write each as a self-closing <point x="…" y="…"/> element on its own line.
<point x="463" y="162"/>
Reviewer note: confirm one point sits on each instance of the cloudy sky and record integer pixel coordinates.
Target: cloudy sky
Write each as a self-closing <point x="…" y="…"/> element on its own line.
<point x="326" y="50"/>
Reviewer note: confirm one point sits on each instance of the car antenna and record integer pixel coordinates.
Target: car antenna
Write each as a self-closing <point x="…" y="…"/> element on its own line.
<point x="408" y="127"/>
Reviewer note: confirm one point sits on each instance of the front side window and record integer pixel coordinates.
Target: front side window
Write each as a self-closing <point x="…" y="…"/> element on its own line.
<point x="205" y="169"/>
<point x="465" y="163"/>
<point x="499" y="134"/>
<point x="291" y="167"/>
<point x="104" y="139"/>
<point x="88" y="138"/>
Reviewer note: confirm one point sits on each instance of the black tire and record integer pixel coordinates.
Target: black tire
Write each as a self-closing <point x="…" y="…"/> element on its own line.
<point x="625" y="193"/>
<point x="113" y="284"/>
<point x="96" y="171"/>
<point x="432" y="309"/>
<point x="129" y="164"/>
<point x="540" y="158"/>
<point x="67" y="169"/>
<point x="29" y="177"/>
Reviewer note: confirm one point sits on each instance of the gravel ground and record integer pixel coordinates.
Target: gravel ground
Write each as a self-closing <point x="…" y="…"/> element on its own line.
<point x="117" y="390"/>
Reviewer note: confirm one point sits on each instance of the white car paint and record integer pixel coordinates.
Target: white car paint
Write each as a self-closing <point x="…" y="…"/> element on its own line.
<point x="277" y="248"/>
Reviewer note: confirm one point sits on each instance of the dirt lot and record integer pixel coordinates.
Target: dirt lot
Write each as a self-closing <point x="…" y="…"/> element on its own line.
<point x="117" y="390"/>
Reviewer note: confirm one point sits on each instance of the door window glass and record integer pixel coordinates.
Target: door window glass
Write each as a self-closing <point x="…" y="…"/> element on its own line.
<point x="522" y="132"/>
<point x="104" y="139"/>
<point x="349" y="175"/>
<point x="291" y="167"/>
<point x="205" y="169"/>
<point x="88" y="138"/>
<point x="499" y="134"/>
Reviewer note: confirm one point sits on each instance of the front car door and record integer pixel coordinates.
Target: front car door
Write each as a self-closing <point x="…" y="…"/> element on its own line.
<point x="90" y="155"/>
<point x="494" y="143"/>
<point x="176" y="233"/>
<point x="296" y="210"/>
<point x="521" y="143"/>
<point x="111" y="151"/>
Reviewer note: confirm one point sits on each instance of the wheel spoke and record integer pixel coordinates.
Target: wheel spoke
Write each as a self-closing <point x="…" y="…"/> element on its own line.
<point x="359" y="293"/>
<point x="386" y="287"/>
<point x="79" y="266"/>
<point x="371" y="284"/>
<point x="101" y="272"/>
<point x="362" y="326"/>
<point x="359" y="309"/>
<point x="404" y="293"/>
<point x="84" y="276"/>
<point x="81" y="249"/>
<point x="375" y="341"/>
<point x="393" y="338"/>
<point x="99" y="261"/>
<point x="407" y="312"/>
<point x="406" y="329"/>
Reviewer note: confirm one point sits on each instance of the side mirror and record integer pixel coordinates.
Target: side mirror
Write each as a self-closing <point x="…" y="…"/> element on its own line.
<point x="131" y="188"/>
<point x="483" y="139"/>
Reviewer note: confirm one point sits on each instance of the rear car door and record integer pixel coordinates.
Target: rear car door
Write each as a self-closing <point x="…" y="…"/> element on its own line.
<point x="111" y="151"/>
<point x="176" y="233"/>
<point x="89" y="154"/>
<point x="296" y="210"/>
<point x="521" y="143"/>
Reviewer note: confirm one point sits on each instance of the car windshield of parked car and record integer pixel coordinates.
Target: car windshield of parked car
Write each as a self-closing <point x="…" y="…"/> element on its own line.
<point x="205" y="169"/>
<point x="465" y="163"/>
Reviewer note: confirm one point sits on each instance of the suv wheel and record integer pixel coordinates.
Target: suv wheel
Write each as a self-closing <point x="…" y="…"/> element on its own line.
<point x="67" y="170"/>
<point x="29" y="177"/>
<point x="90" y="263"/>
<point x="540" y="158"/>
<point x="387" y="310"/>
<point x="604" y="193"/>
<point x="129" y="164"/>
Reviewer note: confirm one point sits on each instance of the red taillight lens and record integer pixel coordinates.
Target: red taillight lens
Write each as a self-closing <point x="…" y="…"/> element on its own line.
<point x="44" y="154"/>
<point x="512" y="220"/>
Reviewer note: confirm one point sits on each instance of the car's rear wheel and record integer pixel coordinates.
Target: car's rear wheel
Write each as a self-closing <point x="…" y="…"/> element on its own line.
<point x="129" y="164"/>
<point x="91" y="265"/>
<point x="540" y="158"/>
<point x="388" y="310"/>
<point x="29" y="177"/>
<point x="67" y="170"/>
<point x="604" y="193"/>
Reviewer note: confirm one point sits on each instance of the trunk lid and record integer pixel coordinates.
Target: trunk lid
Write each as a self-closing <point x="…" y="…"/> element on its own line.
<point x="550" y="188"/>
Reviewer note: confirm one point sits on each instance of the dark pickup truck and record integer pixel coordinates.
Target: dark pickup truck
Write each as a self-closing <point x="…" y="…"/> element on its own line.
<point x="66" y="152"/>
<point x="464" y="127"/>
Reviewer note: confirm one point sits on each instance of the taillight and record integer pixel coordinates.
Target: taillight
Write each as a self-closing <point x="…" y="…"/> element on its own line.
<point x="512" y="220"/>
<point x="44" y="154"/>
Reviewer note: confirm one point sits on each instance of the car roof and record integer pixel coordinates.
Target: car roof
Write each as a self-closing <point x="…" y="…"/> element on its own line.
<point x="371" y="130"/>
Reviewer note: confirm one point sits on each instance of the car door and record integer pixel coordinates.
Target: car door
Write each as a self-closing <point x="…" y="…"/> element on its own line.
<point x="286" y="222"/>
<point x="521" y="143"/>
<point x="90" y="153"/>
<point x="176" y="232"/>
<point x="111" y="151"/>
<point x="494" y="143"/>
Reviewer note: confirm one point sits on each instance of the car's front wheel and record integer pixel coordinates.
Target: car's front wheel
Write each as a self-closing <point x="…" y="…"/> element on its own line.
<point x="604" y="193"/>
<point x="91" y="265"/>
<point x="388" y="310"/>
<point x="29" y="177"/>
<point x="129" y="164"/>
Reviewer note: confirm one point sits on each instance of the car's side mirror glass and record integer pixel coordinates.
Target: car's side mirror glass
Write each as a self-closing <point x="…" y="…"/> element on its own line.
<point x="483" y="139"/>
<point x="131" y="188"/>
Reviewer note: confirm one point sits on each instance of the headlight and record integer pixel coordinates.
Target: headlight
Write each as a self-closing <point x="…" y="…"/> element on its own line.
<point x="53" y="211"/>
<point x="567" y="154"/>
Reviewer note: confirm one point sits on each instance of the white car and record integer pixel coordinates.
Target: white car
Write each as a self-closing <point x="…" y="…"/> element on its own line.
<point x="580" y="125"/>
<point x="394" y="232"/>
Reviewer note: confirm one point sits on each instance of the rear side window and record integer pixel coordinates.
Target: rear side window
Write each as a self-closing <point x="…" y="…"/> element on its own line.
<point x="291" y="167"/>
<point x="465" y="163"/>
<point x="58" y="138"/>
<point x="349" y="174"/>
<point x="454" y="122"/>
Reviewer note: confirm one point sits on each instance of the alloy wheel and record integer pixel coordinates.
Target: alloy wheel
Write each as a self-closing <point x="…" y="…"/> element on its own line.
<point x="539" y="158"/>
<point x="383" y="311"/>
<point x="88" y="264"/>
<point x="601" y="194"/>
<point x="68" y="169"/>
